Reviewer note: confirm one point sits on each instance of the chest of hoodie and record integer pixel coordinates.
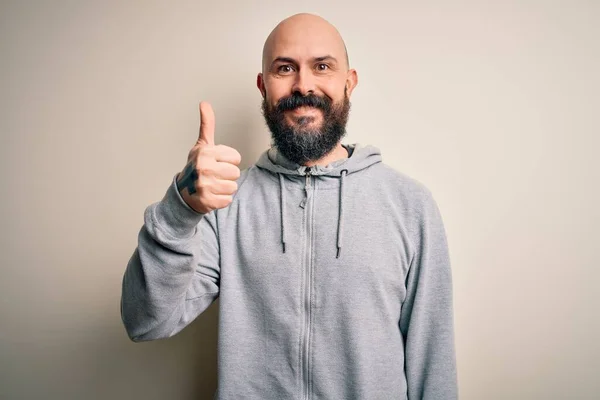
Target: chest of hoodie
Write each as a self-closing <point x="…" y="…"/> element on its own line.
<point x="345" y="250"/>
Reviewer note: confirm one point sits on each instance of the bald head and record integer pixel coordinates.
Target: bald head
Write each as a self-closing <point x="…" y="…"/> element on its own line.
<point x="304" y="35"/>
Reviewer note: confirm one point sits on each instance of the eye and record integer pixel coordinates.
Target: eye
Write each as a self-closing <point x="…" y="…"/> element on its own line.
<point x="322" y="67"/>
<point x="285" y="69"/>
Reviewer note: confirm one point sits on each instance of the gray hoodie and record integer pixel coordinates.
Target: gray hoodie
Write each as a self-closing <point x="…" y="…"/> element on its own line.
<point x="333" y="282"/>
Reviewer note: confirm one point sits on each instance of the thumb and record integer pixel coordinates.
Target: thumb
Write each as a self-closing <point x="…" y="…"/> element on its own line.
<point x="207" y="124"/>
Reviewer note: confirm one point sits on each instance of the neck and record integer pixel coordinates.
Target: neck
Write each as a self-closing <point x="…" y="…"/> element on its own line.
<point x="337" y="153"/>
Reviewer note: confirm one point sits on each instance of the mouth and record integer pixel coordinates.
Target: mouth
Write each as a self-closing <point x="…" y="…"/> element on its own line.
<point x="305" y="111"/>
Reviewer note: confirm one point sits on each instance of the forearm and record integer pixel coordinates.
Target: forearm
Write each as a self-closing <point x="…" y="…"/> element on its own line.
<point x="160" y="274"/>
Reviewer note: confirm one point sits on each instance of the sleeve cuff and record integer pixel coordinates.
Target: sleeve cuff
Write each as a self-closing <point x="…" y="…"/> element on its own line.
<point x="174" y="216"/>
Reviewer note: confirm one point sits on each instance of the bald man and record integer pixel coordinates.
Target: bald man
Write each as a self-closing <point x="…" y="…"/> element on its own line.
<point x="332" y="269"/>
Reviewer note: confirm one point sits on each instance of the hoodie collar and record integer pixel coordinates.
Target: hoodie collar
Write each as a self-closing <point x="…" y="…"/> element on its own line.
<point x="359" y="158"/>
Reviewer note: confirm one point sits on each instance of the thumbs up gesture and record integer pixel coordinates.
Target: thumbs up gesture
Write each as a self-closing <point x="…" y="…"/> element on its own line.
<point x="208" y="181"/>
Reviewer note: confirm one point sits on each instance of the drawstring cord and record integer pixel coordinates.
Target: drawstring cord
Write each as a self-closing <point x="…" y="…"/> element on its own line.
<point x="282" y="197"/>
<point x="340" y="217"/>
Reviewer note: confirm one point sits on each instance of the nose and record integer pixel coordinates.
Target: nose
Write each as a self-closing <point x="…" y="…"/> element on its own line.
<point x="304" y="83"/>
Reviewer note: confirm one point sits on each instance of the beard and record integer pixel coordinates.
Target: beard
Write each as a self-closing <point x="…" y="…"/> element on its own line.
<point x="303" y="142"/>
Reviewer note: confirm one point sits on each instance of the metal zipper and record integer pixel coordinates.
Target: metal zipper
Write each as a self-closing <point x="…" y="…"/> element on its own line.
<point x="306" y="188"/>
<point x="308" y="288"/>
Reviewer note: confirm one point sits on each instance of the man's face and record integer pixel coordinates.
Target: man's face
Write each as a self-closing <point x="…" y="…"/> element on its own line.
<point x="306" y="87"/>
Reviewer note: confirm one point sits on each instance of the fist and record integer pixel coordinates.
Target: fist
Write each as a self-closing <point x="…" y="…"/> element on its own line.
<point x="208" y="181"/>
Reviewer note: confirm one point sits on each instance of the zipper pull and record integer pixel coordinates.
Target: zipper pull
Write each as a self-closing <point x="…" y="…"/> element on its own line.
<point x="307" y="185"/>
<point x="306" y="188"/>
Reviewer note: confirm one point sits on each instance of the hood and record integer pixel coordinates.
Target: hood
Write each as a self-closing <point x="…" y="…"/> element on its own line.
<point x="359" y="158"/>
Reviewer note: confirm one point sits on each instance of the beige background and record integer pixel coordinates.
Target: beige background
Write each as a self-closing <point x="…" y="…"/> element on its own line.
<point x="493" y="105"/>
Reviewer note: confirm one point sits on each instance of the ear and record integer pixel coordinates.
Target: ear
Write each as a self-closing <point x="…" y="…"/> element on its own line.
<point x="260" y="84"/>
<point x="351" y="81"/>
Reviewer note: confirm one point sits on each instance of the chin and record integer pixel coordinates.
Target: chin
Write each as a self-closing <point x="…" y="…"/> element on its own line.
<point x="311" y="122"/>
<point x="306" y="128"/>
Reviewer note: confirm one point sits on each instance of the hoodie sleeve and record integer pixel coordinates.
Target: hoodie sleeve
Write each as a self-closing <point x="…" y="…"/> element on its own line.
<point x="427" y="312"/>
<point x="173" y="274"/>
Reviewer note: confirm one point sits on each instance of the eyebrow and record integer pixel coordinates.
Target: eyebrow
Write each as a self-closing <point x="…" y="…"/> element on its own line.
<point x="283" y="59"/>
<point x="292" y="61"/>
<point x="326" y="58"/>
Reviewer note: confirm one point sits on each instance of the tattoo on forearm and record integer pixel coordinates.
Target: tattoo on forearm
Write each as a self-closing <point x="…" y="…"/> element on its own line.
<point x="188" y="179"/>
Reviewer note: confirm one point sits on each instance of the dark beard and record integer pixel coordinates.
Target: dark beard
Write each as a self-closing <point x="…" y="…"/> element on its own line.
<point x="302" y="145"/>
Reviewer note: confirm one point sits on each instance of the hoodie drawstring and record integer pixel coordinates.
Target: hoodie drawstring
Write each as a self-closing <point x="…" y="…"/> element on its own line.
<point x="282" y="197"/>
<point x="340" y="217"/>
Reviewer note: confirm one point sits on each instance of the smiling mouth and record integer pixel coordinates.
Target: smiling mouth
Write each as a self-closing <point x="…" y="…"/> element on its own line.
<point x="305" y="110"/>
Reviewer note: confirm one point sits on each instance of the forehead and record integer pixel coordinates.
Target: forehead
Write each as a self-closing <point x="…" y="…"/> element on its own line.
<point x="305" y="44"/>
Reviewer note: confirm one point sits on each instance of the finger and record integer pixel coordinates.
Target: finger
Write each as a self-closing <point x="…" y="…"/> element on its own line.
<point x="221" y="200"/>
<point x="227" y="154"/>
<point x="225" y="170"/>
<point x="223" y="187"/>
<point x="207" y="124"/>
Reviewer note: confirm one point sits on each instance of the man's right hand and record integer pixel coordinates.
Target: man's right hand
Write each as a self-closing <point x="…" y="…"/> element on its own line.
<point x="208" y="181"/>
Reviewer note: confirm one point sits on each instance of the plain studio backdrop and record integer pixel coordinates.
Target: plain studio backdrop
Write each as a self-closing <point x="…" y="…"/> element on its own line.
<point x="492" y="105"/>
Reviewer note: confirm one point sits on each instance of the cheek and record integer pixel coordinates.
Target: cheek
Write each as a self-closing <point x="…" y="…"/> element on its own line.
<point x="275" y="90"/>
<point x="334" y="89"/>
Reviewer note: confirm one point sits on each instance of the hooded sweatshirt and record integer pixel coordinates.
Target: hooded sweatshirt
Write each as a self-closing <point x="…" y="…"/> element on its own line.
<point x="334" y="282"/>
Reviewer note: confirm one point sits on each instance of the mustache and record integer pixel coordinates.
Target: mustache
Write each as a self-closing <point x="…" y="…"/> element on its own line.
<point x="296" y="100"/>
